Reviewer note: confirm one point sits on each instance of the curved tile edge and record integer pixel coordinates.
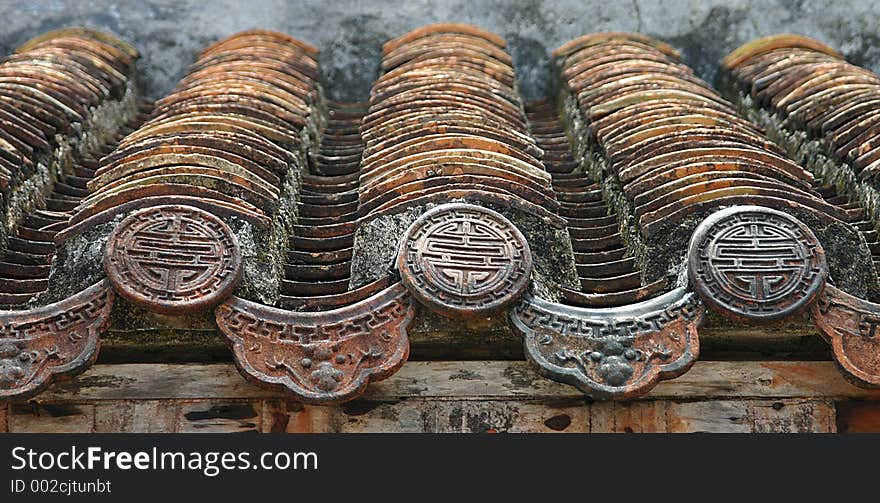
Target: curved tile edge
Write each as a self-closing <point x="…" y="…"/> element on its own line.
<point x="47" y="343"/>
<point x="852" y="328"/>
<point x="614" y="353"/>
<point x="323" y="356"/>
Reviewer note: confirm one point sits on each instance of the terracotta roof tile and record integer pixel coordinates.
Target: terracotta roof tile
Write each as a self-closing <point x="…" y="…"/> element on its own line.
<point x="809" y="87"/>
<point x="600" y="225"/>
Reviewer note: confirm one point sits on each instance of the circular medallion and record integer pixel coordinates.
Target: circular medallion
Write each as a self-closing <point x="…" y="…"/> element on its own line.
<point x="461" y="259"/>
<point x="173" y="259"/>
<point x="756" y="264"/>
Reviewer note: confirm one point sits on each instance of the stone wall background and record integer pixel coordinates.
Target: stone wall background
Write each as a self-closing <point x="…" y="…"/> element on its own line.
<point x="350" y="33"/>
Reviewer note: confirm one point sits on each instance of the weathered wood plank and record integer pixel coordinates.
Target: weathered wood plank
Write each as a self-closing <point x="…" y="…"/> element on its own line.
<point x="438" y="416"/>
<point x="114" y="417"/>
<point x="213" y="416"/>
<point x="441" y="416"/>
<point x="718" y="416"/>
<point x="156" y="382"/>
<point x="52" y="418"/>
<point x="858" y="417"/>
<point x="482" y="380"/>
<point x="287" y="416"/>
<point x="154" y="416"/>
<point x="456" y="416"/>
<point x="715" y="416"/>
<point x="793" y="416"/>
<point x="3" y="415"/>
<point x="634" y="417"/>
<point x="790" y="339"/>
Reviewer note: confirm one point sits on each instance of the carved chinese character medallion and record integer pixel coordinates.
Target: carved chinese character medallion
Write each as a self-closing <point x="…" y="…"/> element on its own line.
<point x="44" y="343"/>
<point x="619" y="352"/>
<point x="852" y="327"/>
<point x="461" y="259"/>
<point x="324" y="356"/>
<point x="173" y="259"/>
<point x="756" y="264"/>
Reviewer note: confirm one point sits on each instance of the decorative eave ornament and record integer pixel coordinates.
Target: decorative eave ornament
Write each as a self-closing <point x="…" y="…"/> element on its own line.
<point x="850" y="325"/>
<point x="41" y="345"/>
<point x="464" y="260"/>
<point x="759" y="265"/>
<point x="619" y="352"/>
<point x="324" y="356"/>
<point x="756" y="264"/>
<point x="173" y="259"/>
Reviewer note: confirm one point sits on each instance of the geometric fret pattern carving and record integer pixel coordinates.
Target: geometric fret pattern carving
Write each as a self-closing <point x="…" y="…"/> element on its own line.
<point x="614" y="353"/>
<point x="465" y="260"/>
<point x="323" y="356"/>
<point x="756" y="264"/>
<point x="852" y="327"/>
<point x="42" y="344"/>
<point x="173" y="259"/>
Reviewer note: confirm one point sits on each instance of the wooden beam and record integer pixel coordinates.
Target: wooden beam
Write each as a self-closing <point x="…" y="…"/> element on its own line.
<point x="428" y="415"/>
<point x="478" y="380"/>
<point x="459" y="396"/>
<point x="855" y="416"/>
<point x="792" y="339"/>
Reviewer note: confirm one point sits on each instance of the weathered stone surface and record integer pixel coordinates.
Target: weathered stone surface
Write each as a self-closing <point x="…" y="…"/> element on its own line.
<point x="377" y="243"/>
<point x="79" y="260"/>
<point x="662" y="254"/>
<point x="350" y="33"/>
<point x="849" y="266"/>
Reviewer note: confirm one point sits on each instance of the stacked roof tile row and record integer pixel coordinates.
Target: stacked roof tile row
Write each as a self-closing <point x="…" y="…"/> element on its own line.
<point x="221" y="140"/>
<point x="318" y="268"/>
<point x="51" y="93"/>
<point x="608" y="274"/>
<point x="244" y="190"/>
<point x="445" y="121"/>
<point x="669" y="138"/>
<point x="811" y="89"/>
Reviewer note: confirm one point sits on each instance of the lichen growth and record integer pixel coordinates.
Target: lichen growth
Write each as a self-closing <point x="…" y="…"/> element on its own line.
<point x="377" y="243"/>
<point x="849" y="258"/>
<point x="663" y="254"/>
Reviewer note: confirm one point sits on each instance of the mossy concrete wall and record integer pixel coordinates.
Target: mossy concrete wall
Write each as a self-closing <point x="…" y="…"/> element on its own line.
<point x="350" y="33"/>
